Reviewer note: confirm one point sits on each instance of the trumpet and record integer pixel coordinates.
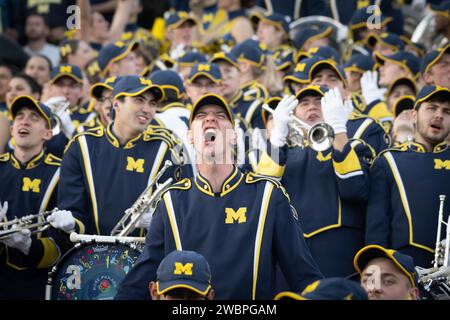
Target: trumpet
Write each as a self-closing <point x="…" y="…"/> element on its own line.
<point x="128" y="222"/>
<point x="438" y="277"/>
<point x="33" y="222"/>
<point x="319" y="136"/>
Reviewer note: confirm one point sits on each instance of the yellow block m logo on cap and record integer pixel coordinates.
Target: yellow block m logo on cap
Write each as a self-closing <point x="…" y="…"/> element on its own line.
<point x="145" y="81"/>
<point x="204" y="67"/>
<point x="65" y="69"/>
<point x="135" y="165"/>
<point x="300" y="67"/>
<point x="33" y="185"/>
<point x="232" y="216"/>
<point x="440" y="164"/>
<point x="183" y="268"/>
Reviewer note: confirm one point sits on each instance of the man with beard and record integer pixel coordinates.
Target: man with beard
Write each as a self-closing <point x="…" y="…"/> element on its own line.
<point x="406" y="182"/>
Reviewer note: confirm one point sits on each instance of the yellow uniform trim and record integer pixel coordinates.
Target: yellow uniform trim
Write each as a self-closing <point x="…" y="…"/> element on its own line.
<point x="289" y="295"/>
<point x="11" y="264"/>
<point x="333" y="226"/>
<point x="266" y="166"/>
<point x="87" y="167"/>
<point x="51" y="253"/>
<point x="259" y="234"/>
<point x="349" y="164"/>
<point x="401" y="189"/>
<point x="173" y="222"/>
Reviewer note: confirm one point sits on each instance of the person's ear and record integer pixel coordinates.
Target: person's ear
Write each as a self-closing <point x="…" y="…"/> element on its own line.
<point x="48" y="135"/>
<point x="414" y="116"/>
<point x="427" y="78"/>
<point x="211" y="295"/>
<point x="190" y="137"/>
<point x="153" y="292"/>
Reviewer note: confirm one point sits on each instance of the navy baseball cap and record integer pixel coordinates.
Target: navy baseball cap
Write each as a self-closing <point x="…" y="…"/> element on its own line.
<point x="402" y="81"/>
<point x="404" y="262"/>
<point x="225" y="56"/>
<point x="406" y="60"/>
<point x="359" y="63"/>
<point x="189" y="58"/>
<point x="168" y="80"/>
<point x="183" y="269"/>
<point x="66" y="70"/>
<point x="428" y="92"/>
<point x="211" y="99"/>
<point x="328" y="289"/>
<point x="114" y="52"/>
<point x="327" y="64"/>
<point x="311" y="91"/>
<point x="250" y="50"/>
<point x="361" y="16"/>
<point x="325" y="52"/>
<point x="309" y="34"/>
<point x="441" y="8"/>
<point x="284" y="60"/>
<point x="209" y="70"/>
<point x="276" y="19"/>
<point x="432" y="58"/>
<point x="27" y="101"/>
<point x="388" y="39"/>
<point x="176" y="19"/>
<point x="301" y="71"/>
<point x="107" y="84"/>
<point x="132" y="86"/>
<point x="402" y="104"/>
<point x="272" y="103"/>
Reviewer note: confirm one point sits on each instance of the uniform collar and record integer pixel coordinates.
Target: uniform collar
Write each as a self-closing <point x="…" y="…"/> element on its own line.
<point x="115" y="141"/>
<point x="230" y="183"/>
<point x="418" y="147"/>
<point x="34" y="162"/>
<point x="247" y="85"/>
<point x="233" y="103"/>
<point x="172" y="105"/>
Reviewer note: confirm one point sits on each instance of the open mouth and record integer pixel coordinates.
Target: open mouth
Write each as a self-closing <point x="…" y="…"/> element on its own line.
<point x="23" y="132"/>
<point x="436" y="127"/>
<point x="210" y="135"/>
<point x="142" y="119"/>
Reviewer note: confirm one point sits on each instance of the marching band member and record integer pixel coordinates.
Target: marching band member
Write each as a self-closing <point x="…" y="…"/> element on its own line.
<point x="406" y="181"/>
<point x="387" y="274"/>
<point x="261" y="229"/>
<point x="29" y="178"/>
<point x="435" y="67"/>
<point x="334" y="226"/>
<point x="104" y="170"/>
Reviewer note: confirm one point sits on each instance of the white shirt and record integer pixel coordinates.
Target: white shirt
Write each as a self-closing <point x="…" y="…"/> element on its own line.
<point x="49" y="50"/>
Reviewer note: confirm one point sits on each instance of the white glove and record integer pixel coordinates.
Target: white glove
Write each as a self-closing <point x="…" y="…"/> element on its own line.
<point x="20" y="240"/>
<point x="370" y="89"/>
<point x="281" y="119"/>
<point x="177" y="52"/>
<point x="144" y="220"/>
<point x="59" y="106"/>
<point x="335" y="111"/>
<point x="62" y="219"/>
<point x="3" y="209"/>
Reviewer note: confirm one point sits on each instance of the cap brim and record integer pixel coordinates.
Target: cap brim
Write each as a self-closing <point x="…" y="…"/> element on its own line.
<point x="401" y="81"/>
<point x="289" y="296"/>
<point x="131" y="47"/>
<point x="402" y="104"/>
<point x="226" y="59"/>
<point x="329" y="64"/>
<point x="370" y="252"/>
<point x="308" y="91"/>
<point x="445" y="50"/>
<point x="204" y="74"/>
<point x="26" y="101"/>
<point x="97" y="89"/>
<point x="199" y="288"/>
<point x="60" y="75"/>
<point x="211" y="99"/>
<point x="430" y="95"/>
<point x="181" y="21"/>
<point x="155" y="90"/>
<point x="295" y="79"/>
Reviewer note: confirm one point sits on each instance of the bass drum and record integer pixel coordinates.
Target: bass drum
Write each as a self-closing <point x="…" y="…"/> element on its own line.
<point x="91" y="271"/>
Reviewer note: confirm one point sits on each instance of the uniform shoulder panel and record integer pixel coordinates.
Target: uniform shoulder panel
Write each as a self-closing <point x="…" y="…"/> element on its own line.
<point x="254" y="178"/>
<point x="97" y="132"/>
<point x="184" y="184"/>
<point x="161" y="133"/>
<point x="4" y="157"/>
<point x="52" y="160"/>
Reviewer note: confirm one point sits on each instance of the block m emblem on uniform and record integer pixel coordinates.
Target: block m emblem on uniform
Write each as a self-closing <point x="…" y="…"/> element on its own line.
<point x="441" y="164"/>
<point x="183" y="268"/>
<point x="135" y="165"/>
<point x="232" y="216"/>
<point x="33" y="185"/>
